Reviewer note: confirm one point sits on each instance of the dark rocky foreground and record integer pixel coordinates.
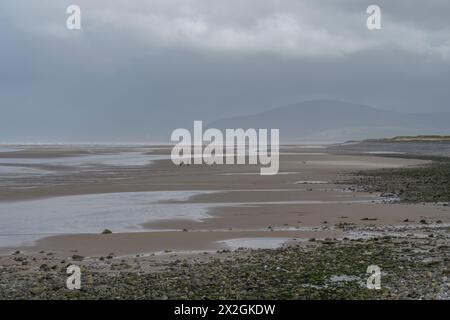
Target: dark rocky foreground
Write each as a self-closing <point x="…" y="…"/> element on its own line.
<point x="415" y="267"/>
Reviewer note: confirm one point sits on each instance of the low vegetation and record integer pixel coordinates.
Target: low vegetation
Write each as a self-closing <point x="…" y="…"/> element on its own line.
<point x="421" y="138"/>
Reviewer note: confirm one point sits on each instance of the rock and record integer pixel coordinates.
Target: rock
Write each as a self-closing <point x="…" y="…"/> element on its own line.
<point x="19" y="259"/>
<point x="388" y="195"/>
<point x="44" y="267"/>
<point x="77" y="257"/>
<point x="36" y="290"/>
<point x="423" y="221"/>
<point x="106" y="231"/>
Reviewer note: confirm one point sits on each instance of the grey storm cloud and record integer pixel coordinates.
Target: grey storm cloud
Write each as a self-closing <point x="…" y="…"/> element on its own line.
<point x="138" y="69"/>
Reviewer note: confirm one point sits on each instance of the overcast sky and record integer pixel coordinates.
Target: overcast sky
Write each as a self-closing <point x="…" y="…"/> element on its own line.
<point x="138" y="69"/>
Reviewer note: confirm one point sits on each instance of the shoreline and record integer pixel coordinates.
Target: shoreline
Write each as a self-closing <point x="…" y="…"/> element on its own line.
<point x="243" y="207"/>
<point x="299" y="270"/>
<point x="307" y="223"/>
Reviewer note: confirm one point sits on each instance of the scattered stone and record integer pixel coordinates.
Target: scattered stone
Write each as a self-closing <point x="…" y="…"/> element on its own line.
<point x="44" y="267"/>
<point x="290" y="272"/>
<point x="388" y="195"/>
<point x="77" y="257"/>
<point x="19" y="259"/>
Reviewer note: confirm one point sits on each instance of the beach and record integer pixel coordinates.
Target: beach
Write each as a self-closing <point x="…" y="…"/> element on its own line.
<point x="142" y="200"/>
<point x="57" y="210"/>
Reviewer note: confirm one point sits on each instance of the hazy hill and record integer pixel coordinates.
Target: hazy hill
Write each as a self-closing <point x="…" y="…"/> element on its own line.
<point x="327" y="120"/>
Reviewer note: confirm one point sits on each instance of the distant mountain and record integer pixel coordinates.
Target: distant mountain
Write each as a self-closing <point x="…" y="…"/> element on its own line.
<point x="336" y="121"/>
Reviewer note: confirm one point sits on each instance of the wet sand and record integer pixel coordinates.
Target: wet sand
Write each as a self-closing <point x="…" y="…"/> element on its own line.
<point x="307" y="200"/>
<point x="160" y="243"/>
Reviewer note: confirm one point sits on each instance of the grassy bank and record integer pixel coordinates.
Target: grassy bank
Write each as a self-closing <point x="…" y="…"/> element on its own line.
<point x="420" y="138"/>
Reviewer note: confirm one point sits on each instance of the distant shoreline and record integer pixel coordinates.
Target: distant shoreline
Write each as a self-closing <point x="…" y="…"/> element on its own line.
<point x="420" y="138"/>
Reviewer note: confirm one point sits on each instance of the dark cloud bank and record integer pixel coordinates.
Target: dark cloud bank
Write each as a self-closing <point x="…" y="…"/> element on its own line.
<point x="139" y="69"/>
